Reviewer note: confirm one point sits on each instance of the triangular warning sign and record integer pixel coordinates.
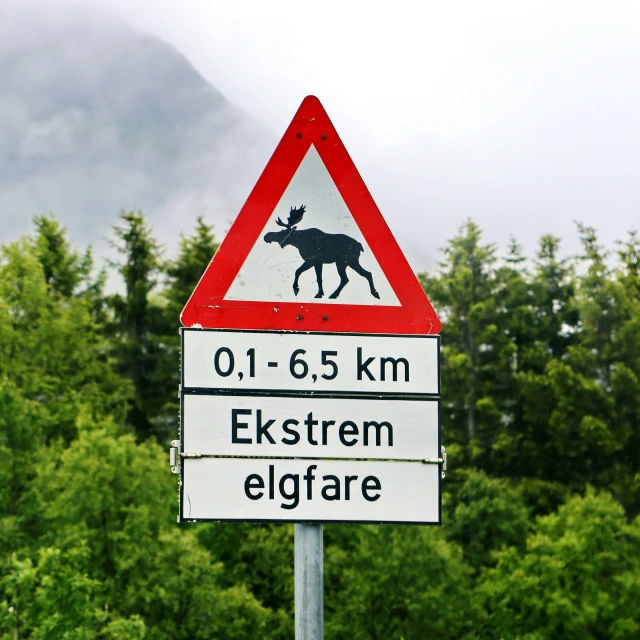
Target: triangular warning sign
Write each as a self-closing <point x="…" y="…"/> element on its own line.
<point x="310" y="251"/>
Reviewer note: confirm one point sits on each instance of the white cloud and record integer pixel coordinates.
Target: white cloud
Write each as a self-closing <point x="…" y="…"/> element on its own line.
<point x="521" y="115"/>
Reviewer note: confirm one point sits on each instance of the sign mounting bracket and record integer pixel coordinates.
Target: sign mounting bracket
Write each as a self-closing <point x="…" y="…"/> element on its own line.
<point x="440" y="461"/>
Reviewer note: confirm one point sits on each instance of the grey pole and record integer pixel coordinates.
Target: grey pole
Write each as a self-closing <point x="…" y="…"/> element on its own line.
<point x="309" y="597"/>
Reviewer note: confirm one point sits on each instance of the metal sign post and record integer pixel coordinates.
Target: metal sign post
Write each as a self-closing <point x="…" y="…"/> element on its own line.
<point x="309" y="592"/>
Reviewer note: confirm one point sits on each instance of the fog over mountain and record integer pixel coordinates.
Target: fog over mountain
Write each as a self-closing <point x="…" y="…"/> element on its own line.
<point x="96" y="116"/>
<point x="523" y="118"/>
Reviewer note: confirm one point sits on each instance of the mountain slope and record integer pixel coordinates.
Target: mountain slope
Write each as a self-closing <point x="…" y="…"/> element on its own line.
<point x="95" y="117"/>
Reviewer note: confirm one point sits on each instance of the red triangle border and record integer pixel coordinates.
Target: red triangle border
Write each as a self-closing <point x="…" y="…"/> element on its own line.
<point x="207" y="307"/>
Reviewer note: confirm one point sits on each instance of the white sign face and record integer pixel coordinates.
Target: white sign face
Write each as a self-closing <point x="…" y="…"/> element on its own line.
<point x="310" y="362"/>
<point x="280" y="248"/>
<point x="310" y="490"/>
<point x="311" y="427"/>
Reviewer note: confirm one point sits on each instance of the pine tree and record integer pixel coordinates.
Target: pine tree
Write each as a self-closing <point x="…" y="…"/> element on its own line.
<point x="624" y="473"/>
<point x="137" y="320"/>
<point x="183" y="273"/>
<point x="463" y="295"/>
<point x="536" y="309"/>
<point x="64" y="268"/>
<point x="181" y="277"/>
<point x="504" y="357"/>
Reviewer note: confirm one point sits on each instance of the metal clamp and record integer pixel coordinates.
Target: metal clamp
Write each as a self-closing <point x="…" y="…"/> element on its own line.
<point x="173" y="456"/>
<point x="442" y="461"/>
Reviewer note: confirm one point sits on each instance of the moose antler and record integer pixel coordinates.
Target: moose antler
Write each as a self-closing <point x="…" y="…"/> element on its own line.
<point x="295" y="215"/>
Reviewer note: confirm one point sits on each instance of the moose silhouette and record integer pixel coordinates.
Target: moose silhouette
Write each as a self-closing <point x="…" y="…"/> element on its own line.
<point x="317" y="248"/>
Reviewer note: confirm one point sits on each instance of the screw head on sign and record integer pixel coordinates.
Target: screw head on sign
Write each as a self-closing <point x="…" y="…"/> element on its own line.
<point x="323" y="137"/>
<point x="300" y="316"/>
<point x="298" y="135"/>
<point x="325" y="317"/>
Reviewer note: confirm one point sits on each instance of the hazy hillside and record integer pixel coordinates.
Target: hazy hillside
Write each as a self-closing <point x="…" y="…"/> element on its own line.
<point x="95" y="116"/>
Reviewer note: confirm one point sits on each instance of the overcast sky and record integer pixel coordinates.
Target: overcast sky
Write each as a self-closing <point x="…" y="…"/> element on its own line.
<point x="524" y="115"/>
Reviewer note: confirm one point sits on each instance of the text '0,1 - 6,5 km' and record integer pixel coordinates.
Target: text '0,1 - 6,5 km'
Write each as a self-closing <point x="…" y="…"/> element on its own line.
<point x="218" y="359"/>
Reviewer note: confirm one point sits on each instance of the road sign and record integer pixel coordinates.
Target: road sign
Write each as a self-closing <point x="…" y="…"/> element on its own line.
<point x="310" y="362"/>
<point x="310" y="366"/>
<point x="324" y="399"/>
<point x="310" y="251"/>
<point x="310" y="490"/>
<point x="315" y="427"/>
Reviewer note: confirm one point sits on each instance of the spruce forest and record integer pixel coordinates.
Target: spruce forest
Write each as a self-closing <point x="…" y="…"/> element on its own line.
<point x="541" y="420"/>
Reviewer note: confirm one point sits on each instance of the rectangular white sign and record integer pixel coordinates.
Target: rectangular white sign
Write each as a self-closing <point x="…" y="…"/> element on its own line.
<point x="310" y="490"/>
<point x="310" y="362"/>
<point x="314" y="427"/>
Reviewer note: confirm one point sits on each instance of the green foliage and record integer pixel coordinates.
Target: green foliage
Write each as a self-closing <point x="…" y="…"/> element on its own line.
<point x="52" y="347"/>
<point x="54" y="597"/>
<point x="541" y="366"/>
<point x="579" y="577"/>
<point x="261" y="557"/>
<point x="64" y="268"/>
<point x="136" y="320"/>
<point x="53" y="370"/>
<point x="463" y="291"/>
<point x="541" y="413"/>
<point x="488" y="516"/>
<point x="124" y="519"/>
<point x="181" y="277"/>
<point x="396" y="583"/>
<point x="183" y="274"/>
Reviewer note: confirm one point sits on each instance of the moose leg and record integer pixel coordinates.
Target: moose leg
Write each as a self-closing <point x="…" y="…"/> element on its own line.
<point x="342" y="272"/>
<point x="355" y="265"/>
<point x="318" y="268"/>
<point x="305" y="266"/>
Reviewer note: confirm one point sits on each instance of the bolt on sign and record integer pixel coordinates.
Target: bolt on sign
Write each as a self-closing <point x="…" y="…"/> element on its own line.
<point x="310" y="357"/>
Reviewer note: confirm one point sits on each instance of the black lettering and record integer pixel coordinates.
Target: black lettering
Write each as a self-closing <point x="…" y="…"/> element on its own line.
<point x="335" y="487"/>
<point x="235" y="425"/>
<point x="347" y="486"/>
<point x="394" y="363"/>
<point x="294" y="495"/>
<point x="250" y="484"/>
<point x="263" y="429"/>
<point x="325" y="425"/>
<point x="378" y="427"/>
<point x="271" y="482"/>
<point x="362" y="366"/>
<point x="370" y="483"/>
<point x="352" y="431"/>
<point x="216" y="362"/>
<point x="309" y="478"/>
<point x="287" y="429"/>
<point x="310" y="422"/>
